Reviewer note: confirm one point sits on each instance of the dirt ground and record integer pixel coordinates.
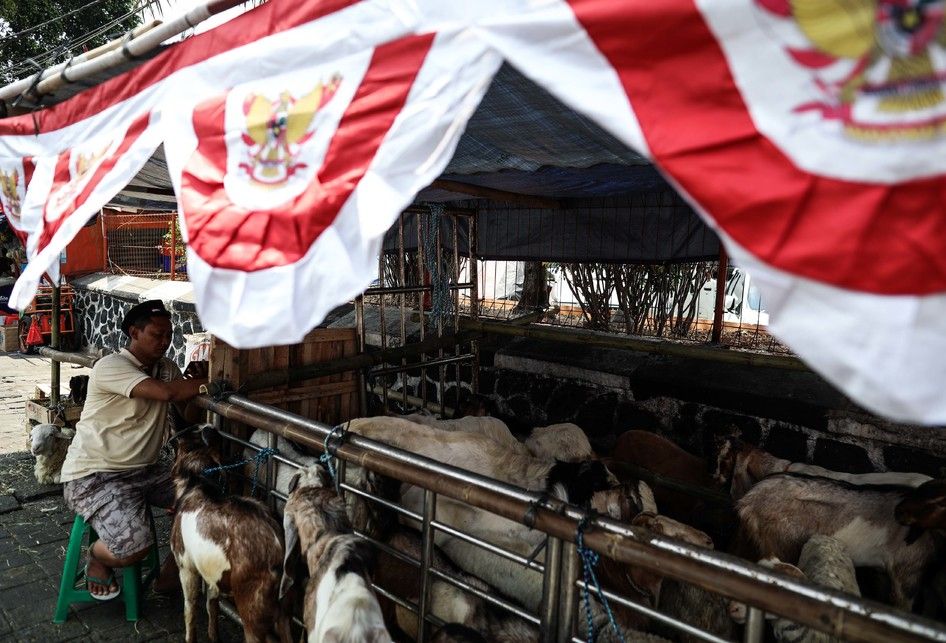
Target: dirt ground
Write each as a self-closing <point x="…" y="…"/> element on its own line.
<point x="20" y="375"/>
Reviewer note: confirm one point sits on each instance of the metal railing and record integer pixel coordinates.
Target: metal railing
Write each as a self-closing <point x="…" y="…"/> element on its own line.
<point x="839" y="614"/>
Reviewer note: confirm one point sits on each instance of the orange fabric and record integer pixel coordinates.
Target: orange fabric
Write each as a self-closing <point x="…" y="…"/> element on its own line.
<point x="85" y="253"/>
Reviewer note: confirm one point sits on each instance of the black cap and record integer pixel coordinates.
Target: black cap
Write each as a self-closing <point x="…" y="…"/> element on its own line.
<point x="144" y="310"/>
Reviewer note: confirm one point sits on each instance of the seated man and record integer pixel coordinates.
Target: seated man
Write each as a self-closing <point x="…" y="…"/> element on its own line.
<point x="111" y="472"/>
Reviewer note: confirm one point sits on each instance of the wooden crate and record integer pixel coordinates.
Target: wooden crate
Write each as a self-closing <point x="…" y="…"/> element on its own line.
<point x="37" y="411"/>
<point x="9" y="339"/>
<point x="331" y="399"/>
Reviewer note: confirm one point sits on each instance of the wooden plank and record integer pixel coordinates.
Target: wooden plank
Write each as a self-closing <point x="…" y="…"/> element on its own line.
<point x="37" y="411"/>
<point x="328" y="398"/>
<point x="329" y="334"/>
<point x="311" y="392"/>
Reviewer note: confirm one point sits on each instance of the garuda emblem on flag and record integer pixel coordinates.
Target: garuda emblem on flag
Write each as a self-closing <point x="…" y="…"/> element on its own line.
<point x="276" y="129"/>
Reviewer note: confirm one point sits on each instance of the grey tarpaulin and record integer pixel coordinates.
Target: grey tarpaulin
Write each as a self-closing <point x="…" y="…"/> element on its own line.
<point x="644" y="227"/>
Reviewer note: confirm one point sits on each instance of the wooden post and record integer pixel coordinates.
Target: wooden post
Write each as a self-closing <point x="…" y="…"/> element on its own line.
<point x="104" y="240"/>
<point x="720" y="294"/>
<point x="173" y="244"/>
<point x="54" y="343"/>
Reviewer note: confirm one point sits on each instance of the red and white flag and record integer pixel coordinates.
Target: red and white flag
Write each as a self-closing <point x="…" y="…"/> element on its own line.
<point x="811" y="135"/>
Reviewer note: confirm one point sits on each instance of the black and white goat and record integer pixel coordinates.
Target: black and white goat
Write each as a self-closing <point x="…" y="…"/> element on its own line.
<point x="233" y="543"/>
<point x="340" y="606"/>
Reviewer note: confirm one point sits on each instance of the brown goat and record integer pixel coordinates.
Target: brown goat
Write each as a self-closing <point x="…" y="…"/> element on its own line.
<point x="742" y="465"/>
<point x="782" y="512"/>
<point x="664" y="458"/>
<point x="233" y="543"/>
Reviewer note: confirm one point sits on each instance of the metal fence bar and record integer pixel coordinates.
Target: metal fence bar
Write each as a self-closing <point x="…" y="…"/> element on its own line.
<point x="360" y="330"/>
<point x="551" y="584"/>
<point x="755" y="626"/>
<point x="568" y="596"/>
<point x="426" y="555"/>
<point x="686" y="628"/>
<point x="402" y="274"/>
<point x="425" y="365"/>
<point x="499" y="551"/>
<point x="825" y="610"/>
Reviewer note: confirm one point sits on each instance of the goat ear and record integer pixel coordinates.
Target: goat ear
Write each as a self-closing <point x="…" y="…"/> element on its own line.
<point x="207" y="433"/>
<point x="292" y="544"/>
<point x="293" y="482"/>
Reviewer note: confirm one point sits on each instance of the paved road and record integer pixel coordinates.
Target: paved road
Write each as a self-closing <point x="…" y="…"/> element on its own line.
<point x="19" y="377"/>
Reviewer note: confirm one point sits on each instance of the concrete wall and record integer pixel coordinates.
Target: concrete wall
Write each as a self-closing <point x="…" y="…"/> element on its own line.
<point x="102" y="300"/>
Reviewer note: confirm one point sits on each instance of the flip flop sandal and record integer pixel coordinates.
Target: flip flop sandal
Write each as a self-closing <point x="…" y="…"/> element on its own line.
<point x="107" y="582"/>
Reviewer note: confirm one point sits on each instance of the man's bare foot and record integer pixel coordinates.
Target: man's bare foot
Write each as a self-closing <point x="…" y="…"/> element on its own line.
<point x="99" y="578"/>
<point x="168" y="580"/>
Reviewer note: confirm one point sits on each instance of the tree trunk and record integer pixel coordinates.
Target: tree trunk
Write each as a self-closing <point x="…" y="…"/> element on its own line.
<point x="535" y="288"/>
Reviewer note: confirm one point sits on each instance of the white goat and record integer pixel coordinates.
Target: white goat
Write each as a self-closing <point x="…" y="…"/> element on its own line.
<point x="49" y="443"/>
<point x="340" y="606"/>
<point x="824" y="562"/>
<point x="481" y="454"/>
<point x="478" y="424"/>
<point x="448" y="603"/>
<point x="565" y="442"/>
<point x="284" y="472"/>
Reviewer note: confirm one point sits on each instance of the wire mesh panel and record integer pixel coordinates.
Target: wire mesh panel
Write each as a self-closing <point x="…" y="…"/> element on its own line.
<point x="144" y="245"/>
<point x="422" y="287"/>
<point x="671" y="300"/>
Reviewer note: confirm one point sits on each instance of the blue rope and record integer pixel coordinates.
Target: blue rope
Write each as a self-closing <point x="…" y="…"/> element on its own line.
<point x="589" y="560"/>
<point x="261" y="456"/>
<point x="329" y="455"/>
<point x="441" y="304"/>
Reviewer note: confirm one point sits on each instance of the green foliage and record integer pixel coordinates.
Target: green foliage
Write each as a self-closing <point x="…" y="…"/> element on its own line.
<point x="66" y="34"/>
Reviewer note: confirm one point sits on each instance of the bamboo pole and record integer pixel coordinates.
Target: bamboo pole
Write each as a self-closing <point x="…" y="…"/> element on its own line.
<point x="54" y="380"/>
<point x="496" y="195"/>
<point x="119" y="51"/>
<point x="17" y="87"/>
<point x="72" y="358"/>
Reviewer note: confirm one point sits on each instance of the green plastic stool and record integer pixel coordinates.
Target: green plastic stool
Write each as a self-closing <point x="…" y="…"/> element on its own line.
<point x="72" y="589"/>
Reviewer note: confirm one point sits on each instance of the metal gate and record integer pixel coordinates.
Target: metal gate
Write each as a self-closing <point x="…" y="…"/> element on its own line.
<point x="426" y="279"/>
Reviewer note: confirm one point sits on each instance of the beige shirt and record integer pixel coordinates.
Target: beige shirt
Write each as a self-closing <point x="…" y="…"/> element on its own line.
<point x="117" y="432"/>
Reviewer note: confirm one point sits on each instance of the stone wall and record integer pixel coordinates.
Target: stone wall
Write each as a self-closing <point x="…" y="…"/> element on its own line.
<point x="102" y="300"/>
<point x="792" y="413"/>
